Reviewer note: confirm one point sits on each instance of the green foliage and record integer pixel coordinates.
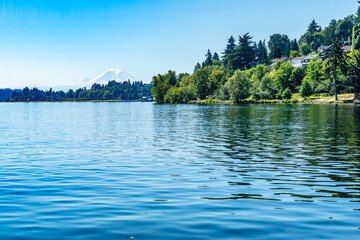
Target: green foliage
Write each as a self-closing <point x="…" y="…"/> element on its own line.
<point x="225" y="78"/>
<point x="282" y="75"/>
<point x="244" y="53"/>
<point x="314" y="27"/>
<point x="257" y="75"/>
<point x="209" y="58"/>
<point x="5" y="94"/>
<point x="239" y="86"/>
<point x="329" y="33"/>
<point x="201" y="84"/>
<point x="159" y="89"/>
<point x="313" y="37"/>
<point x="216" y="57"/>
<point x="279" y="45"/>
<point x="229" y="51"/>
<point x="223" y="92"/>
<point x="266" y="90"/>
<point x="277" y="53"/>
<point x="354" y="75"/>
<point x="306" y="89"/>
<point x="261" y="51"/>
<point x="197" y="67"/>
<point x="315" y="74"/>
<point x="336" y="61"/>
<point x="294" y="54"/>
<point x="356" y="37"/>
<point x="287" y="94"/>
<point x="180" y="95"/>
<point x="161" y="84"/>
<point x="344" y="28"/>
<point x="170" y="78"/>
<point x="296" y="78"/>
<point x="216" y="79"/>
<point x="305" y="49"/>
<point x="294" y="45"/>
<point x="278" y="95"/>
<point x="187" y="80"/>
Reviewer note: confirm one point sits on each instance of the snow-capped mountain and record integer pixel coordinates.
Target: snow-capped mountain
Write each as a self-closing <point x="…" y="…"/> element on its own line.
<point x="111" y="74"/>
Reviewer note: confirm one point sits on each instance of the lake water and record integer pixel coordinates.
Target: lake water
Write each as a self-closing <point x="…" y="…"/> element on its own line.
<point x="147" y="171"/>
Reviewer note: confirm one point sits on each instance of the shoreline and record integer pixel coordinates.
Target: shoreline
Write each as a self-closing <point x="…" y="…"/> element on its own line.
<point x="77" y="101"/>
<point x="296" y="99"/>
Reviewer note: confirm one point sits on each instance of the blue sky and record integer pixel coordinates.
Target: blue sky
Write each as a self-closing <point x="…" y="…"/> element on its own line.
<point x="49" y="43"/>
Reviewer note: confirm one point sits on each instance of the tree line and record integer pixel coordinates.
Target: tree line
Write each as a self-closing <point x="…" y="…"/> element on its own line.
<point x="124" y="91"/>
<point x="5" y="93"/>
<point x="247" y="68"/>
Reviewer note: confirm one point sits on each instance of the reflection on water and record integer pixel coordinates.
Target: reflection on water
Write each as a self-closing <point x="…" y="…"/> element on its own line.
<point x="146" y="171"/>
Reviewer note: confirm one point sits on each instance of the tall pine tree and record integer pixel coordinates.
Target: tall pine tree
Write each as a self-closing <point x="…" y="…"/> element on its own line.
<point x="294" y="45"/>
<point x="216" y="57"/>
<point x="244" y="53"/>
<point x="261" y="51"/>
<point x="229" y="51"/>
<point x="208" y="60"/>
<point x="313" y="27"/>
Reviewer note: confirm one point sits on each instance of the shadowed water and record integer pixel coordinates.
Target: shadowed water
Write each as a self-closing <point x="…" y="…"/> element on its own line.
<point x="146" y="171"/>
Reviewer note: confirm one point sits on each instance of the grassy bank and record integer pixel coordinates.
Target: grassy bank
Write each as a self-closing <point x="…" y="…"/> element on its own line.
<point x="322" y="98"/>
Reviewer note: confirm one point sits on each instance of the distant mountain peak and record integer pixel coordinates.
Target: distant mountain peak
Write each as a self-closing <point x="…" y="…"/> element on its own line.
<point x="111" y="74"/>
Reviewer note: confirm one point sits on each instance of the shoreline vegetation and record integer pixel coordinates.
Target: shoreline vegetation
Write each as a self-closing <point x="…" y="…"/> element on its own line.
<point x="113" y="91"/>
<point x="322" y="66"/>
<point x="296" y="99"/>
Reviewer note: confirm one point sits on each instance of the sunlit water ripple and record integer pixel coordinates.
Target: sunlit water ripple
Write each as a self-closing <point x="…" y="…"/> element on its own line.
<point x="147" y="171"/>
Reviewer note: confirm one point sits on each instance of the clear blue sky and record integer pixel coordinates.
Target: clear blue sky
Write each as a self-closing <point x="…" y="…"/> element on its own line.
<point x="55" y="42"/>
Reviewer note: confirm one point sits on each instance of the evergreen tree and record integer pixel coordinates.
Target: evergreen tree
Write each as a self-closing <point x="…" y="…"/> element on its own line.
<point x="336" y="60"/>
<point x="355" y="75"/>
<point x="313" y="27"/>
<point x="261" y="51"/>
<point x="357" y="15"/>
<point x="258" y="49"/>
<point x="356" y="37"/>
<point x="216" y="57"/>
<point x="329" y="33"/>
<point x="344" y="28"/>
<point x="209" y="58"/>
<point x="277" y="53"/>
<point x="230" y="47"/>
<point x="229" y="51"/>
<point x="197" y="67"/>
<point x="244" y="53"/>
<point x="294" y="45"/>
<point x="313" y="36"/>
<point x="264" y="57"/>
<point x="276" y="42"/>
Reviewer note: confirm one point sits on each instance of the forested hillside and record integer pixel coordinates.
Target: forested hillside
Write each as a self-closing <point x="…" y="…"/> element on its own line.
<point x="323" y="60"/>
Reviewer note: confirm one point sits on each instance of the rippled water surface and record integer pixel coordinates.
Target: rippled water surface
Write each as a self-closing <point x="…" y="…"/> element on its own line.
<point x="146" y="171"/>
